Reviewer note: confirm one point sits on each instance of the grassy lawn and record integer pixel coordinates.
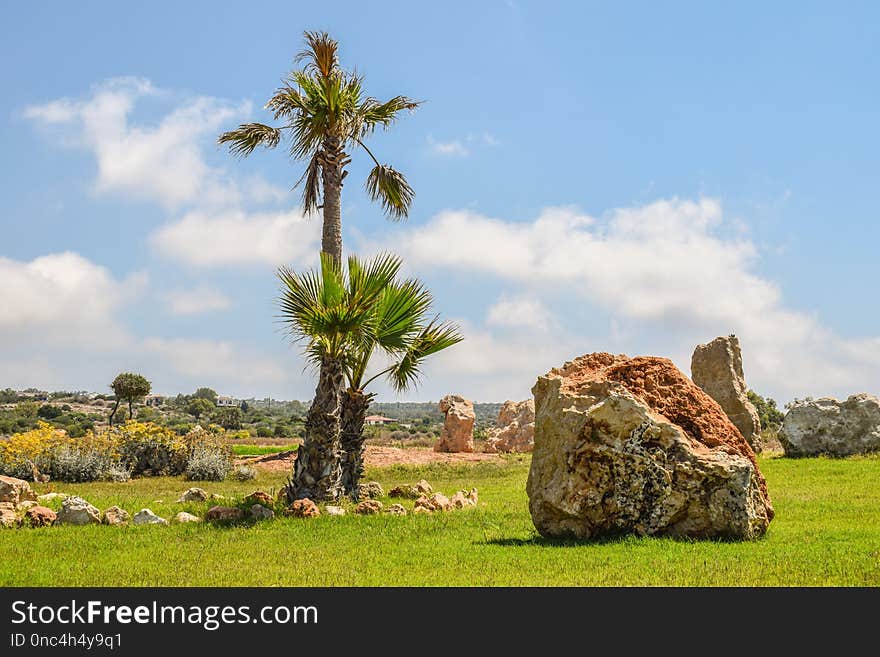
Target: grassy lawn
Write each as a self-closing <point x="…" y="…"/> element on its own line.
<point x="826" y="532"/>
<point x="259" y="450"/>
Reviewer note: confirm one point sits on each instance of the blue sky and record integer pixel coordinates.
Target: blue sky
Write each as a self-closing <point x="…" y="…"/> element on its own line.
<point x="624" y="177"/>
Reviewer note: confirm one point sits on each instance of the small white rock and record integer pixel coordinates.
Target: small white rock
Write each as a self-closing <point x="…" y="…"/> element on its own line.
<point x="147" y="517"/>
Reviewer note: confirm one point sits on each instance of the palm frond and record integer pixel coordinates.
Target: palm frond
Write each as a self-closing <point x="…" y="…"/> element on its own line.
<point x="390" y="188"/>
<point x="321" y="53"/>
<point x="248" y="136"/>
<point x="311" y="181"/>
<point x="434" y="337"/>
<point x="371" y="113"/>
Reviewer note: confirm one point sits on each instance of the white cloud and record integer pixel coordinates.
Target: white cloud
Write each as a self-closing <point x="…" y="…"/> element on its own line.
<point x="161" y="160"/>
<point x="233" y="237"/>
<point x="455" y="147"/>
<point x="461" y="147"/>
<point x="667" y="271"/>
<point x="520" y="312"/>
<point x="62" y="298"/>
<point x="201" y="299"/>
<point x="215" y="360"/>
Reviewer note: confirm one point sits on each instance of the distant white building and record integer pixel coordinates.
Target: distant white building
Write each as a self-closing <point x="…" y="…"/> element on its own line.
<point x="378" y="419"/>
<point x="223" y="400"/>
<point x="154" y="400"/>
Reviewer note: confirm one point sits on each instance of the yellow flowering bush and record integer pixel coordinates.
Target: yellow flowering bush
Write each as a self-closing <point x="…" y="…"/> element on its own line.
<point x="134" y="448"/>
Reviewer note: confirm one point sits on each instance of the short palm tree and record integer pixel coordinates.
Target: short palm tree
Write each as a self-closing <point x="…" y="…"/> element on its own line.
<point x="329" y="310"/>
<point x="403" y="331"/>
<point x="325" y="116"/>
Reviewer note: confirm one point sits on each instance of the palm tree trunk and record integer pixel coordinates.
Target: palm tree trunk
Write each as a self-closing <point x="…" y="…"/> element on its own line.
<point x="316" y="471"/>
<point x="354" y="409"/>
<point x="333" y="160"/>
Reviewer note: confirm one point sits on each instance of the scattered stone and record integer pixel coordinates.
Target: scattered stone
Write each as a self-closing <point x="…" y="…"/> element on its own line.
<point x="183" y="517"/>
<point x="424" y="505"/>
<point x="440" y="502"/>
<point x="457" y="434"/>
<point x="76" y="511"/>
<point x="194" y="494"/>
<point x="27" y="504"/>
<point x="303" y="508"/>
<point x="259" y="497"/>
<point x="514" y="430"/>
<point x="15" y="490"/>
<point x="370" y="490"/>
<point x="717" y="368"/>
<point x="40" y="516"/>
<point x="116" y="516"/>
<point x="49" y="497"/>
<point x="216" y="496"/>
<point x="396" y="510"/>
<point x="368" y="507"/>
<point x="147" y="517"/>
<point x="424" y="487"/>
<point x="259" y="512"/>
<point x="8" y="517"/>
<point x="405" y="491"/>
<point x="421" y="509"/>
<point x="828" y="426"/>
<point x="224" y="513"/>
<point x="631" y="445"/>
<point x="334" y="510"/>
<point x="464" y="498"/>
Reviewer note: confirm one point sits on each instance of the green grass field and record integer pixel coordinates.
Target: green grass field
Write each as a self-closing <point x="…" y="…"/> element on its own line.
<point x="826" y="532"/>
<point x="259" y="450"/>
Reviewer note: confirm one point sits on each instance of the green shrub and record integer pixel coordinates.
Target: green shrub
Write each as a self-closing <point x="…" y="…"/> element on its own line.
<point x="208" y="463"/>
<point x="244" y="473"/>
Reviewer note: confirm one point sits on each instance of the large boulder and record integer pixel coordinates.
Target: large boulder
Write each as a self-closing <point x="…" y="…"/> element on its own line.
<point x="717" y="368"/>
<point x="15" y="491"/>
<point x="829" y="426"/>
<point x="457" y="434"/>
<point x="631" y="445"/>
<point x="514" y="430"/>
<point x="77" y="511"/>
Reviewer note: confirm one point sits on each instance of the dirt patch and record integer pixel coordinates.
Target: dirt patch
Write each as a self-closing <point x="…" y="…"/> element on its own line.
<point x="379" y="456"/>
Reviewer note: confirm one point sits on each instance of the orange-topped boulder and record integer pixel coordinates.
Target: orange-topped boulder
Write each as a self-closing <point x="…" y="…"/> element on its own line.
<point x="632" y="445"/>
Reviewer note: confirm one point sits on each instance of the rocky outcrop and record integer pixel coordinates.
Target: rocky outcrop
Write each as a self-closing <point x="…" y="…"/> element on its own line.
<point x="370" y="490"/>
<point x="40" y="516"/>
<point x="260" y="512"/>
<point x="829" y="426"/>
<point x="303" y="508"/>
<point x="15" y="491"/>
<point x="717" y="368"/>
<point x="76" y="511"/>
<point x="115" y="516"/>
<point x="514" y="430"/>
<point x="183" y="517"/>
<point x="631" y="445"/>
<point x="194" y="494"/>
<point x="147" y="517"/>
<point x="368" y="507"/>
<point x="223" y="513"/>
<point x="457" y="434"/>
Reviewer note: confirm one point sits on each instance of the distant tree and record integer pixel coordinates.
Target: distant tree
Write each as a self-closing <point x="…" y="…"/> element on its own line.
<point x="49" y="412"/>
<point x="199" y="406"/>
<point x="228" y="418"/>
<point x="206" y="393"/>
<point x="8" y="396"/>
<point x="129" y="387"/>
<point x="28" y="409"/>
<point x="771" y="417"/>
<point x="244" y="407"/>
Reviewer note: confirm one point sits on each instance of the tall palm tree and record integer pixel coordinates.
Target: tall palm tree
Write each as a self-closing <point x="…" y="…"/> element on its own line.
<point x="325" y="116"/>
<point x="402" y="330"/>
<point x="329" y="310"/>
